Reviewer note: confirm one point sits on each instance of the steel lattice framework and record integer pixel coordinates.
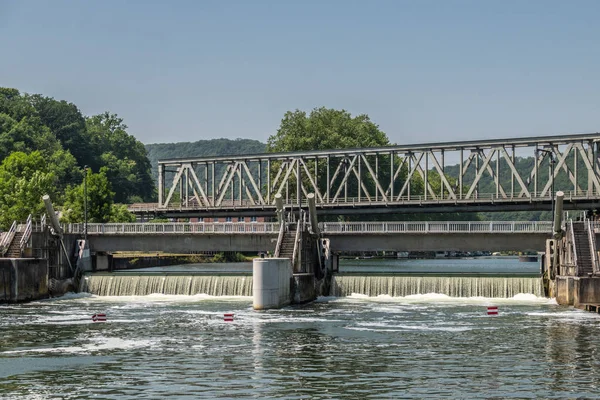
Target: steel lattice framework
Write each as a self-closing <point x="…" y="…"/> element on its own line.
<point x="492" y="175"/>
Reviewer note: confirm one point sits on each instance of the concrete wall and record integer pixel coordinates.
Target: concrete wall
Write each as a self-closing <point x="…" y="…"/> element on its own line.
<point x="587" y="291"/>
<point x="564" y="289"/>
<point x="577" y="291"/>
<point x="304" y="288"/>
<point x="184" y="243"/>
<point x="440" y="242"/>
<point x="23" y="279"/>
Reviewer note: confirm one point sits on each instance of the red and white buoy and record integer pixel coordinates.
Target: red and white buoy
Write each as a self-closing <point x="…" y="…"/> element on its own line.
<point x="492" y="310"/>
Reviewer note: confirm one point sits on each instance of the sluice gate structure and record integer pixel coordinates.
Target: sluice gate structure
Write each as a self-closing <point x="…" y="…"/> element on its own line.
<point x="486" y="175"/>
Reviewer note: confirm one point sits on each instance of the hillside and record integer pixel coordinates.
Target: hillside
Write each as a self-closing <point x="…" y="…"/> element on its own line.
<point x="201" y="148"/>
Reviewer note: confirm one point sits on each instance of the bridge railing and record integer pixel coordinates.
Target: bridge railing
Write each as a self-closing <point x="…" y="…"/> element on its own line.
<point x="438" y="227"/>
<point x="491" y="197"/>
<point x="409" y="227"/>
<point x="173" y="228"/>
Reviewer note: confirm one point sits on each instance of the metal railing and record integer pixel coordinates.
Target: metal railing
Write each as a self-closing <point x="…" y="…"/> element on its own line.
<point x="592" y="243"/>
<point x="26" y="233"/>
<point x="280" y="238"/>
<point x="409" y="227"/>
<point x="438" y="227"/>
<point x="8" y="237"/>
<point x="173" y="228"/>
<point x="574" y="247"/>
<point x="492" y="197"/>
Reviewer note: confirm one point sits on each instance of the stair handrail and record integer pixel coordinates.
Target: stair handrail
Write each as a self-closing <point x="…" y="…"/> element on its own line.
<point x="8" y="237"/>
<point x="574" y="248"/>
<point x="592" y="242"/>
<point x="279" y="238"/>
<point x="26" y="234"/>
<point x="299" y="227"/>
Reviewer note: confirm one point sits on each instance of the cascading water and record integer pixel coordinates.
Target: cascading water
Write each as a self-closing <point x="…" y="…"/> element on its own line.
<point x="454" y="286"/>
<point x="142" y="285"/>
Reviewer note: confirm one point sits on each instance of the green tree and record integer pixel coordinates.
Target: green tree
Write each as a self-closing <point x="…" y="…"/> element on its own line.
<point x="119" y="213"/>
<point x="99" y="199"/>
<point x="67" y="124"/>
<point x="125" y="158"/>
<point x="24" y="179"/>
<point x="324" y="129"/>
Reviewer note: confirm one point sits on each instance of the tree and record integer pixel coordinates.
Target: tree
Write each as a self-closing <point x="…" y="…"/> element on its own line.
<point x="99" y="199"/>
<point x="24" y="179"/>
<point x="67" y="124"/>
<point x="125" y="158"/>
<point x="324" y="129"/>
<point x="119" y="213"/>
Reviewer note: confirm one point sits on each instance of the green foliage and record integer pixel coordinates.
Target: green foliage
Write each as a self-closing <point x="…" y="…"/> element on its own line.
<point x="24" y="179"/>
<point x="324" y="129"/>
<point x="219" y="258"/>
<point x="99" y="199"/>
<point x="119" y="213"/>
<point x="44" y="145"/>
<point x="124" y="157"/>
<point x="201" y="148"/>
<point x="228" y="257"/>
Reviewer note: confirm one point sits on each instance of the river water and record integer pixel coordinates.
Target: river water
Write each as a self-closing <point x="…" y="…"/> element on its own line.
<point x="416" y="346"/>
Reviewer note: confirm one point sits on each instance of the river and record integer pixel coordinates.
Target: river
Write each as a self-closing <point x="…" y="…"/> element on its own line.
<point x="416" y="346"/>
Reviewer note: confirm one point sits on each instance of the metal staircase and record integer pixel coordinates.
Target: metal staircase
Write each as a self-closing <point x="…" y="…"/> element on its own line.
<point x="14" y="241"/>
<point x="286" y="250"/>
<point x="582" y="246"/>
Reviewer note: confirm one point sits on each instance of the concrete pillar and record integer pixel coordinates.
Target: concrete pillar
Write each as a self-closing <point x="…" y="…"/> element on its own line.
<point x="271" y="282"/>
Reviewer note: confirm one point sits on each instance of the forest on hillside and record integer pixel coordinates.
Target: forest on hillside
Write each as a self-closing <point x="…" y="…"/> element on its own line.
<point x="200" y="148"/>
<point x="48" y="146"/>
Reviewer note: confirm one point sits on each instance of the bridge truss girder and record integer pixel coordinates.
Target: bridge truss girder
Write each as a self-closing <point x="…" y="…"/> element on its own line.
<point x="435" y="176"/>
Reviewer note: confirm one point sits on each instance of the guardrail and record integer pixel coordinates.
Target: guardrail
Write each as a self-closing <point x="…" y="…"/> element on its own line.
<point x="8" y="237"/>
<point x="26" y="233"/>
<point x="409" y="227"/>
<point x="438" y="227"/>
<point x="173" y="228"/>
<point x="475" y="198"/>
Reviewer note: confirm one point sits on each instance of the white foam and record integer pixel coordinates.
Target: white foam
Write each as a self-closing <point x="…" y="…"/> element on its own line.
<point x="419" y="327"/>
<point x="522" y="298"/>
<point x="98" y="344"/>
<point x="173" y="298"/>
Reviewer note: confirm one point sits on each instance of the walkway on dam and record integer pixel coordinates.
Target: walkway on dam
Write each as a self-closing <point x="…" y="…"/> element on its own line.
<point x="344" y="236"/>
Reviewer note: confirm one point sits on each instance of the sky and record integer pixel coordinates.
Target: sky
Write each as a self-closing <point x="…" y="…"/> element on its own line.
<point x="423" y="70"/>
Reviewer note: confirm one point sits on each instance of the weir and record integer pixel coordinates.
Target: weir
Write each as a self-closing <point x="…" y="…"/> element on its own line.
<point x="143" y="284"/>
<point x="453" y="286"/>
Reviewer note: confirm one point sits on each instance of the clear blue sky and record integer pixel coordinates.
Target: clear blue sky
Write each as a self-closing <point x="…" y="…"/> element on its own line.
<point x="425" y="71"/>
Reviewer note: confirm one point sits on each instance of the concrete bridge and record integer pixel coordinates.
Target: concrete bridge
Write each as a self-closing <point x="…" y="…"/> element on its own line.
<point x="344" y="236"/>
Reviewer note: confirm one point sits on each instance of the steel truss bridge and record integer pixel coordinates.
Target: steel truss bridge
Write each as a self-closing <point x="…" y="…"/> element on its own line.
<point x="484" y="175"/>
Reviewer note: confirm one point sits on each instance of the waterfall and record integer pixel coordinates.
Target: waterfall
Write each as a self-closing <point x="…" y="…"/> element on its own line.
<point x="142" y="285"/>
<point x="454" y="286"/>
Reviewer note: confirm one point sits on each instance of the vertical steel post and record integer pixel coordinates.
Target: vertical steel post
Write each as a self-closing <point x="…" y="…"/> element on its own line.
<point x="461" y="173"/>
<point x="161" y="183"/>
<point x="85" y="201"/>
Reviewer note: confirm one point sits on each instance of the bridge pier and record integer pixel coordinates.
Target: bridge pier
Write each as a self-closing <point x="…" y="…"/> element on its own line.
<point x="271" y="283"/>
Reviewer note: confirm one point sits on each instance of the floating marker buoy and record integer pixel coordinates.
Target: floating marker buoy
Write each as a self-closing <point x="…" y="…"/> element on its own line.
<point x="228" y="317"/>
<point x="99" y="317"/>
<point x="492" y="310"/>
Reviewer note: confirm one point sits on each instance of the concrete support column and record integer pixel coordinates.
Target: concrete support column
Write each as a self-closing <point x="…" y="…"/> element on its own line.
<point x="271" y="282"/>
